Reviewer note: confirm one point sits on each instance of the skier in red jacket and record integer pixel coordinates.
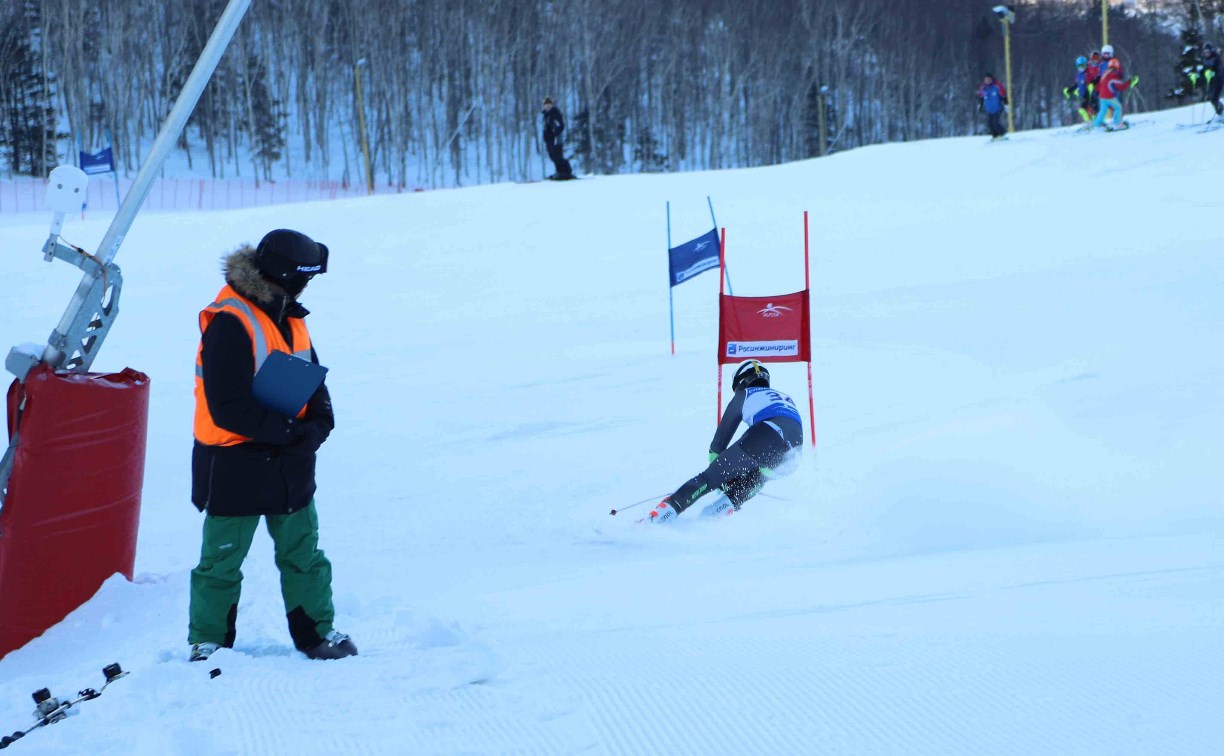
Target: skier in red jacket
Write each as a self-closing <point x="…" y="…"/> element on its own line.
<point x="1113" y="83"/>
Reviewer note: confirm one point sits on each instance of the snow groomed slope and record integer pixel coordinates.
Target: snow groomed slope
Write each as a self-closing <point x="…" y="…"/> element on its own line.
<point x="1007" y="541"/>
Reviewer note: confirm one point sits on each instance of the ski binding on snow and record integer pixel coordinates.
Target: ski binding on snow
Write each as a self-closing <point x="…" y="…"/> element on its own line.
<point x="49" y="709"/>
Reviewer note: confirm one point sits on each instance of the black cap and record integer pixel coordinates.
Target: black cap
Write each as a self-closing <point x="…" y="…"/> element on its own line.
<point x="283" y="254"/>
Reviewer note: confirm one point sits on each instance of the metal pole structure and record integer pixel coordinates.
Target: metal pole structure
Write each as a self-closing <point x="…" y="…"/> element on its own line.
<point x="170" y="130"/>
<point x="820" y="96"/>
<point x="55" y="353"/>
<point x="1007" y="16"/>
<point x="94" y="304"/>
<point x="361" y="124"/>
<point x="1011" y="119"/>
<point x="1104" y="22"/>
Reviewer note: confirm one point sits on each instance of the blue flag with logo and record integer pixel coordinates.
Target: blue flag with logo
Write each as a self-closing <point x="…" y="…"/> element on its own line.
<point x="102" y="161"/>
<point x="693" y="257"/>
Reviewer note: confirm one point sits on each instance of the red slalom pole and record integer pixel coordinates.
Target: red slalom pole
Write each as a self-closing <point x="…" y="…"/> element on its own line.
<point x="807" y="287"/>
<point x="722" y="277"/>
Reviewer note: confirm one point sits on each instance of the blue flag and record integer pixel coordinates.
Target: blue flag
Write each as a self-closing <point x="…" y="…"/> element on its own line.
<point x="693" y="257"/>
<point x="102" y="161"/>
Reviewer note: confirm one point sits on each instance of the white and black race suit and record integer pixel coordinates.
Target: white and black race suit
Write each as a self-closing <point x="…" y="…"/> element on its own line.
<point x="775" y="430"/>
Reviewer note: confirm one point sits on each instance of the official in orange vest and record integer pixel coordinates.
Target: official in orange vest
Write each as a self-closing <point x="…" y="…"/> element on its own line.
<point x="251" y="461"/>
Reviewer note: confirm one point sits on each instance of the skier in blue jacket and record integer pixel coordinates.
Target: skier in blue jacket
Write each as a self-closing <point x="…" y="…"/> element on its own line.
<point x="1080" y="89"/>
<point x="775" y="430"/>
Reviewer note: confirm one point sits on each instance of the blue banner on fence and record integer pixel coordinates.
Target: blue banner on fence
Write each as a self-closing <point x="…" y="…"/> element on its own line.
<point x="693" y="257"/>
<point x="102" y="161"/>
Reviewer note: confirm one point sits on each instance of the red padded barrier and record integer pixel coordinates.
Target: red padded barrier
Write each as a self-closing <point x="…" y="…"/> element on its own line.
<point x="73" y="506"/>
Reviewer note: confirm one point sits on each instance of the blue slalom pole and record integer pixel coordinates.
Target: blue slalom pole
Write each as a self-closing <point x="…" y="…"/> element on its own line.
<point x="671" y="310"/>
<point x="726" y="270"/>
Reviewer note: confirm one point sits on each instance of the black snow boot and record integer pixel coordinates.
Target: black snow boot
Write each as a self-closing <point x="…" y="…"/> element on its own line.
<point x="337" y="645"/>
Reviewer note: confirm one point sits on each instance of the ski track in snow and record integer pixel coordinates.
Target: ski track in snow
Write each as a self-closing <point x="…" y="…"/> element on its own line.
<point x="1008" y="539"/>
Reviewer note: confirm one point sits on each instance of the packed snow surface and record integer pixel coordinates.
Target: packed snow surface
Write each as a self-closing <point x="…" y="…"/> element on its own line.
<point x="1006" y="540"/>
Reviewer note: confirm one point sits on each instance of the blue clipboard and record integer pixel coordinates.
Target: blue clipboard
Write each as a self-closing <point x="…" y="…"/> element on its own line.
<point x="285" y="383"/>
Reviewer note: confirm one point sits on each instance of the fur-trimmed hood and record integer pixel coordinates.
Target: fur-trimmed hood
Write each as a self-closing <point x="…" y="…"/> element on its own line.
<point x="242" y="274"/>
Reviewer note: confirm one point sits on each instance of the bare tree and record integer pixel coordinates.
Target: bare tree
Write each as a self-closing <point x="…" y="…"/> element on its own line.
<point x="451" y="87"/>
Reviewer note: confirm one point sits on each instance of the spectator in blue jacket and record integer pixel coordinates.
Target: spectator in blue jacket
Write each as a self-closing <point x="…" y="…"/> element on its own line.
<point x="992" y="100"/>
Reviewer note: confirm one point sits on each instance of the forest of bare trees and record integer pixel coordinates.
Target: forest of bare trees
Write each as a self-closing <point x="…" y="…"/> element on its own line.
<point x="451" y="88"/>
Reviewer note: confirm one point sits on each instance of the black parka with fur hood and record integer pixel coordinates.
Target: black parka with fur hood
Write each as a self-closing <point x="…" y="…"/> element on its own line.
<point x="274" y="473"/>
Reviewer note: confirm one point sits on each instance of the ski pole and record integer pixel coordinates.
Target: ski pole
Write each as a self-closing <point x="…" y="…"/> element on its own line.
<point x="1208" y="75"/>
<point x="1194" y="77"/>
<point x="637" y="503"/>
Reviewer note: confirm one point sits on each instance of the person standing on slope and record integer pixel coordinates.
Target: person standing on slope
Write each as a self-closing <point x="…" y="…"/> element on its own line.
<point x="1080" y="89"/>
<point x="992" y="99"/>
<point x="554" y="127"/>
<point x="1094" y="80"/>
<point x="775" y="432"/>
<point x="1111" y="88"/>
<point x="1211" y="72"/>
<point x="1107" y="54"/>
<point x="250" y="460"/>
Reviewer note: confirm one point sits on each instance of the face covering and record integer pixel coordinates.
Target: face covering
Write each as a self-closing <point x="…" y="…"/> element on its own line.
<point x="295" y="284"/>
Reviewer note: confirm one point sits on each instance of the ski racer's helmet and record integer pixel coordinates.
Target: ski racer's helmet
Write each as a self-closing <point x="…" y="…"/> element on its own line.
<point x="290" y="259"/>
<point x="1107" y="51"/>
<point x="1081" y="61"/>
<point x="750" y="373"/>
<point x="1116" y="64"/>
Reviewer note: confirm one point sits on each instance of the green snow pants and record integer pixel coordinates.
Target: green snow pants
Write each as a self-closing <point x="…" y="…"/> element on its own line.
<point x="305" y="577"/>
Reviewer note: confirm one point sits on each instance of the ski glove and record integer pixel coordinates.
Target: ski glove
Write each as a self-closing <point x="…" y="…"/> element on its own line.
<point x="1066" y="93"/>
<point x="1134" y="81"/>
<point x="308" y="436"/>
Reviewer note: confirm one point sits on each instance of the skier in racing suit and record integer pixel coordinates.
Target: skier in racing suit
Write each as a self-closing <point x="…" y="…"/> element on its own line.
<point x="774" y="432"/>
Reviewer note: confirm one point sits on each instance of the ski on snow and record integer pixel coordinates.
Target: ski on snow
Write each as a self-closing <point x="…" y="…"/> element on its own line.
<point x="49" y="709"/>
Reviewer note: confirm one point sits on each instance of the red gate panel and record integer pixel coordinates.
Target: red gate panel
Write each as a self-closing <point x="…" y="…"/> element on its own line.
<point x="73" y="508"/>
<point x="769" y="329"/>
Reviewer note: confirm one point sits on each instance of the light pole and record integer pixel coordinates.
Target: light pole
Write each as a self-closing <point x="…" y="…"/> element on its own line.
<point x="1104" y="22"/>
<point x="824" y="148"/>
<point x="361" y="124"/>
<point x="1007" y="16"/>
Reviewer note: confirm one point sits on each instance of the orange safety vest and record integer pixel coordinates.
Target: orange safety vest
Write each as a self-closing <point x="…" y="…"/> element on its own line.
<point x="265" y="339"/>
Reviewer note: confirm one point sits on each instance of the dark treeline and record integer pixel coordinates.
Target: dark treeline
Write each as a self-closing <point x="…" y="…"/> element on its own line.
<point x="452" y="87"/>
